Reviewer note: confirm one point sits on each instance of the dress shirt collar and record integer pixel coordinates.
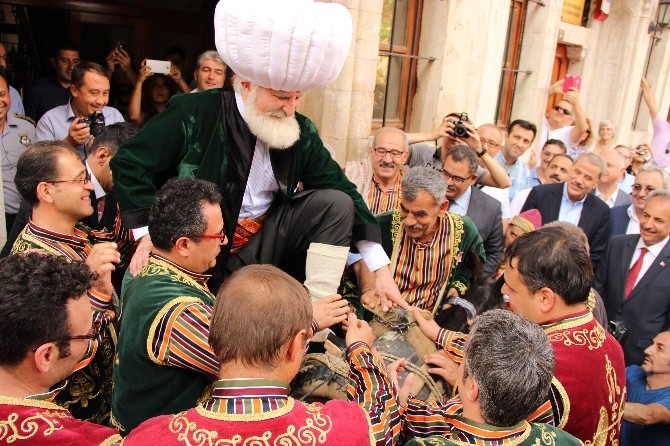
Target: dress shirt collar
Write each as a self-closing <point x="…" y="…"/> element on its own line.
<point x="610" y="201"/>
<point x="654" y="249"/>
<point x="631" y="213"/>
<point x="247" y="396"/>
<point x="97" y="188"/>
<point x="464" y="200"/>
<point x="467" y="429"/>
<point x="47" y="396"/>
<point x="77" y="240"/>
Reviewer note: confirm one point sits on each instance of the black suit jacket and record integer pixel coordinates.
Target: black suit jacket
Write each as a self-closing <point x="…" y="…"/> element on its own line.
<point x="486" y="213"/>
<point x="594" y="221"/>
<point x="619" y="220"/>
<point x="646" y="312"/>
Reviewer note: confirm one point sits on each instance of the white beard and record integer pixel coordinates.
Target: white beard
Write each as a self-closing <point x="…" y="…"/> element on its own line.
<point x="276" y="133"/>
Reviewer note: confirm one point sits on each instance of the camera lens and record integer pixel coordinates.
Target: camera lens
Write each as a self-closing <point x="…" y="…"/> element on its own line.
<point x="460" y="130"/>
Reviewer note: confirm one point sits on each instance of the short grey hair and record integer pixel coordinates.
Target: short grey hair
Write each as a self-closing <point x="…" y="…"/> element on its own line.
<point x="659" y="170"/>
<point x="502" y="134"/>
<point x="461" y="154"/>
<point x="608" y="123"/>
<point x="618" y="156"/>
<point x="512" y="361"/>
<point x="209" y="55"/>
<point x="662" y="193"/>
<point x="426" y="179"/>
<point x="595" y="160"/>
<point x="395" y="130"/>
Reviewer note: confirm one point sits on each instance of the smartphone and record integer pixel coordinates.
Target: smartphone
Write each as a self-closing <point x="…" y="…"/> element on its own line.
<point x="159" y="66"/>
<point x="572" y="81"/>
<point x="120" y="45"/>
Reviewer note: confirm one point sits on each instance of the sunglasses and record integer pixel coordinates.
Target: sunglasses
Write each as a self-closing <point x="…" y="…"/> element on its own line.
<point x="562" y="110"/>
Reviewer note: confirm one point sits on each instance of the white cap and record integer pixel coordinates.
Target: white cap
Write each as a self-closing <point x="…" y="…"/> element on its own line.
<point x="284" y="45"/>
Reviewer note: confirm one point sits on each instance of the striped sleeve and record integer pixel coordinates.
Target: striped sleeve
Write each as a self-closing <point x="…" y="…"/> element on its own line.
<point x="453" y="343"/>
<point x="370" y="386"/>
<point x="181" y="338"/>
<point x="119" y="235"/>
<point x="425" y="418"/>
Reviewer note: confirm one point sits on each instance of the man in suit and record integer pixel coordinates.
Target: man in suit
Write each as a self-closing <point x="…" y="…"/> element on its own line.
<point x="460" y="171"/>
<point x="608" y="188"/>
<point x="572" y="202"/>
<point x="634" y="278"/>
<point x="626" y="219"/>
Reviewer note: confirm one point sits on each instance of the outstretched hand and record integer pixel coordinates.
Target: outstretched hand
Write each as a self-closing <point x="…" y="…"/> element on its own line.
<point x="402" y="389"/>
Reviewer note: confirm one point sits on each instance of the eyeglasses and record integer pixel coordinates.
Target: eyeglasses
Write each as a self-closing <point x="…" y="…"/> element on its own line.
<point x="489" y="142"/>
<point x="454" y="178"/>
<point x="560" y="109"/>
<point x="221" y="237"/>
<point x="86" y="179"/>
<point x="638" y="188"/>
<point x="382" y="152"/>
<point x="93" y="334"/>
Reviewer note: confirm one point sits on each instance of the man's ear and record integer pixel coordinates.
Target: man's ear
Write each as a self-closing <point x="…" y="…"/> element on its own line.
<point x="102" y="155"/>
<point x="443" y="207"/>
<point x="73" y="90"/>
<point x="547" y="299"/>
<point x="45" y="357"/>
<point x="43" y="192"/>
<point x="183" y="245"/>
<point x="296" y="347"/>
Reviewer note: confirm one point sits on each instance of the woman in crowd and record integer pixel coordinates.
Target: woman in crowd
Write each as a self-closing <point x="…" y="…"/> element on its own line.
<point x="150" y="96"/>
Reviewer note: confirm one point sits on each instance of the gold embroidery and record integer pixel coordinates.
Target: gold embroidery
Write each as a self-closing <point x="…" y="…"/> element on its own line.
<point x="569" y="323"/>
<point x="45" y="422"/>
<point x="556" y="384"/>
<point x="610" y="425"/>
<point x="593" y="338"/>
<point x="156" y="267"/>
<point x="314" y="431"/>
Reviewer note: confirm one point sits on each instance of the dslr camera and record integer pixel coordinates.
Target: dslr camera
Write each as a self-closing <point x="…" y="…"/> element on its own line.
<point x="95" y="121"/>
<point x="459" y="129"/>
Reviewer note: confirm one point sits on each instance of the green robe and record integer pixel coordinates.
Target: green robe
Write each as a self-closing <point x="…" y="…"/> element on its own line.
<point x="524" y="434"/>
<point x="144" y="386"/>
<point x="464" y="239"/>
<point x="203" y="135"/>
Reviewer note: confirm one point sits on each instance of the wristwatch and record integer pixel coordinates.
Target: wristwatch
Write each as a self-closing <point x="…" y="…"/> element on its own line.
<point x="483" y="152"/>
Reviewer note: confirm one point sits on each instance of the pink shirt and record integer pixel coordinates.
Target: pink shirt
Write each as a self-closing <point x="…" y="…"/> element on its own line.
<point x="660" y="143"/>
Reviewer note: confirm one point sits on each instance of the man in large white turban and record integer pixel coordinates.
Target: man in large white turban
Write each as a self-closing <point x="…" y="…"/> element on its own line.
<point x="284" y="197"/>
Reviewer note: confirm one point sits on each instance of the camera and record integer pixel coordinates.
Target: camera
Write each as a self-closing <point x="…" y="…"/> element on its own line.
<point x="120" y="45"/>
<point x="618" y="330"/>
<point x="460" y="130"/>
<point x="95" y="121"/>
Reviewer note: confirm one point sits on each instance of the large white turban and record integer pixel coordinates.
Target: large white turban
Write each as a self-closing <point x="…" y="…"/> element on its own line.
<point x="285" y="45"/>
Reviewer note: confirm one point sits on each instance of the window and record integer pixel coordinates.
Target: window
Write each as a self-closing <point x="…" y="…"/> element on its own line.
<point x="396" y="67"/>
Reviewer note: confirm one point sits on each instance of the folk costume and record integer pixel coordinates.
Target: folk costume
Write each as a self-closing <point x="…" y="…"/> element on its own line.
<point x="283" y="47"/>
<point x="378" y="199"/>
<point x="88" y="392"/>
<point x="425" y="272"/>
<point x="588" y="391"/>
<point x="165" y="315"/>
<point x="258" y="411"/>
<point x="37" y="421"/>
<point x="523" y="434"/>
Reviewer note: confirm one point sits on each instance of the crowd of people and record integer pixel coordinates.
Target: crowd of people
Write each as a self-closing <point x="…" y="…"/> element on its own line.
<point x="171" y="264"/>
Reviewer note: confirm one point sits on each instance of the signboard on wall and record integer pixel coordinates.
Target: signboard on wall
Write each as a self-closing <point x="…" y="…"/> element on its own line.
<point x="572" y="12"/>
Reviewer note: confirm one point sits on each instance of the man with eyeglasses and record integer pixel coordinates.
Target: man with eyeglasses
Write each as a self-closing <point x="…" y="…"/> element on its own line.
<point x="49" y="92"/>
<point x="634" y="277"/>
<point x="377" y="177"/>
<point x="45" y="335"/>
<point x="53" y="180"/>
<point x="425" y="154"/>
<point x="460" y="171"/>
<point x="434" y="253"/>
<point x="626" y="219"/>
<point x="165" y="360"/>
<point x="260" y="332"/>
<point x="566" y="121"/>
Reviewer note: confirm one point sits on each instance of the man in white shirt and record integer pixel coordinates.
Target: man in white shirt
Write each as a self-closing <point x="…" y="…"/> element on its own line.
<point x="626" y="219"/>
<point x="608" y="188"/>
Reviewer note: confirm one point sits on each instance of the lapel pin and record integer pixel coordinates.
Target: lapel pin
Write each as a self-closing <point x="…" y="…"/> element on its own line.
<point x="663" y="263"/>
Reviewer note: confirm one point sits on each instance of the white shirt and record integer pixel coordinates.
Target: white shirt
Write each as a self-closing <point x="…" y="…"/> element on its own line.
<point x="519" y="200"/>
<point x="610" y="201"/>
<point x="461" y="204"/>
<point x="502" y="195"/>
<point x="649" y="258"/>
<point x="634" y="222"/>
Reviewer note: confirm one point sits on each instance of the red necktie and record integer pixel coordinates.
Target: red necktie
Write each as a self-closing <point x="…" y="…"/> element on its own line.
<point x="634" y="272"/>
<point x="101" y="208"/>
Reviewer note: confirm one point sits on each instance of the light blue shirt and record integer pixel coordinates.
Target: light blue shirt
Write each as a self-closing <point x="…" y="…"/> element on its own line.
<point x="519" y="174"/>
<point x="460" y="205"/>
<point x="571" y="211"/>
<point x="17" y="103"/>
<point x="55" y="124"/>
